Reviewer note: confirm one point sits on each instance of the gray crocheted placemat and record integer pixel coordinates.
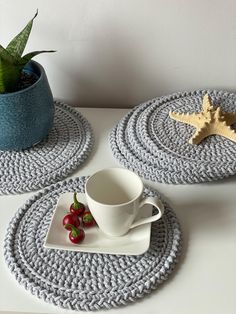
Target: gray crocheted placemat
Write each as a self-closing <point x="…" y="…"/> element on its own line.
<point x="150" y="143"/>
<point x="66" y="147"/>
<point x="85" y="281"/>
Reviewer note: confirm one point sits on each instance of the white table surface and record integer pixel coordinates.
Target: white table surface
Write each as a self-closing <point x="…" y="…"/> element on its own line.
<point x="204" y="280"/>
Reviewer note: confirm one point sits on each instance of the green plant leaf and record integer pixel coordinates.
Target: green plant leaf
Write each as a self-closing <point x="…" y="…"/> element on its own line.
<point x="5" y="55"/>
<point x="9" y="75"/>
<point x="9" y="71"/>
<point x="18" y="43"/>
<point x="26" y="58"/>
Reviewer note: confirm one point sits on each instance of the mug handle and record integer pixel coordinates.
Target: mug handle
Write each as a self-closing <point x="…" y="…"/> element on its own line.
<point x="154" y="201"/>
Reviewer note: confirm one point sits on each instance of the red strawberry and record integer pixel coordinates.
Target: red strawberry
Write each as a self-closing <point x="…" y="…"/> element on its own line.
<point x="71" y="219"/>
<point x="88" y="220"/>
<point x="76" y="235"/>
<point x="77" y="207"/>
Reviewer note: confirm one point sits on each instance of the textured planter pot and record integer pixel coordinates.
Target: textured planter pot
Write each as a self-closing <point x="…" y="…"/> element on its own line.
<point x="26" y="116"/>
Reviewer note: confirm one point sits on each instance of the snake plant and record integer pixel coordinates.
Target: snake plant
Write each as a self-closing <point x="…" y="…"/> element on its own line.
<point x="11" y="60"/>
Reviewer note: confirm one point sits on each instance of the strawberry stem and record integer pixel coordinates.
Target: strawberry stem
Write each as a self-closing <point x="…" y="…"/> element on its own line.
<point x="74" y="231"/>
<point x="76" y="204"/>
<point x="88" y="218"/>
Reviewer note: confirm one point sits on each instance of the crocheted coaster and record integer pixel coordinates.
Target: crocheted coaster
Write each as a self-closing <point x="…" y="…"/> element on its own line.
<point x="66" y="147"/>
<point x="85" y="281"/>
<point x="150" y="143"/>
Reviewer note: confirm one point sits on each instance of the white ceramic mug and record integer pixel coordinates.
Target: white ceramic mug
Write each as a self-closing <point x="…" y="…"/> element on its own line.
<point x="114" y="197"/>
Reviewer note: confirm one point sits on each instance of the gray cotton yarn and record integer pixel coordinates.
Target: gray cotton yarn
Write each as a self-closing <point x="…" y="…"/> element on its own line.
<point x="65" y="149"/>
<point x="150" y="143"/>
<point x="85" y="281"/>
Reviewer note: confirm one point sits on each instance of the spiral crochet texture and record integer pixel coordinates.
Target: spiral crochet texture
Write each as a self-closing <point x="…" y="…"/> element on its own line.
<point x="85" y="281"/>
<point x="150" y="143"/>
<point x="66" y="147"/>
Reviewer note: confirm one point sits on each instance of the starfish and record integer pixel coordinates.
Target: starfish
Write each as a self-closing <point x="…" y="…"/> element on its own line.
<point x="211" y="120"/>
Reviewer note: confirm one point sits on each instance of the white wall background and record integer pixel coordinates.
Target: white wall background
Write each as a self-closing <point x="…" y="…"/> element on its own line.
<point x="118" y="53"/>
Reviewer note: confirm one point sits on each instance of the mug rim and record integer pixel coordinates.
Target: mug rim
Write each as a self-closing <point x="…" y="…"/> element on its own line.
<point x="111" y="169"/>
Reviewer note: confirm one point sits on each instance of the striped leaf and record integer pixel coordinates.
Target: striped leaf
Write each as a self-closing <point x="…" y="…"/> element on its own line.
<point x="9" y="71"/>
<point x="26" y="58"/>
<point x="18" y="43"/>
<point x="9" y="75"/>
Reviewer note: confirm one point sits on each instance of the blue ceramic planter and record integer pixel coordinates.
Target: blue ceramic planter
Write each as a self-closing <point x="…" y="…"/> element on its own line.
<point x="26" y="116"/>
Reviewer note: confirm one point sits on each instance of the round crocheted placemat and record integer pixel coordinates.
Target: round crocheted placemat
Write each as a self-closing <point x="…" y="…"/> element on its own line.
<point x="150" y="143"/>
<point x="66" y="147"/>
<point x="85" y="281"/>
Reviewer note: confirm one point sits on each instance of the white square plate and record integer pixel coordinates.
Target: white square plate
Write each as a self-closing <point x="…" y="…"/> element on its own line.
<point x="135" y="242"/>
